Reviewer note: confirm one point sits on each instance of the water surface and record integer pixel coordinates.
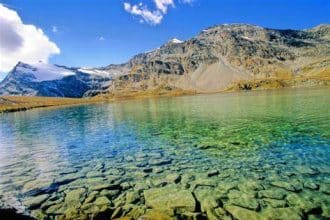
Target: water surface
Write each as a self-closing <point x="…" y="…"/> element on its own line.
<point x="237" y="155"/>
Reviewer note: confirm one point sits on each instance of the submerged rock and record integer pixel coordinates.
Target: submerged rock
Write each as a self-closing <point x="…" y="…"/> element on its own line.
<point x="305" y="170"/>
<point x="245" y="201"/>
<point x="192" y="216"/>
<point x="207" y="198"/>
<point x="90" y="208"/>
<point x="109" y="193"/>
<point x="240" y="213"/>
<point x="282" y="213"/>
<point x="173" y="178"/>
<point x="304" y="204"/>
<point x="35" y="202"/>
<point x="74" y="197"/>
<point x="159" y="162"/>
<point x="286" y="186"/>
<point x="68" y="178"/>
<point x="100" y="201"/>
<point x="135" y="211"/>
<point x="147" y="169"/>
<point x="209" y="203"/>
<point x="100" y="187"/>
<point x="36" y="187"/>
<point x="274" y="203"/>
<point x="132" y="197"/>
<point x="155" y="215"/>
<point x="272" y="193"/>
<point x="249" y="185"/>
<point x="212" y="173"/>
<point x="217" y="213"/>
<point x="91" y="197"/>
<point x="170" y="198"/>
<point x="56" y="209"/>
<point x="311" y="185"/>
<point x="325" y="188"/>
<point x="326" y="211"/>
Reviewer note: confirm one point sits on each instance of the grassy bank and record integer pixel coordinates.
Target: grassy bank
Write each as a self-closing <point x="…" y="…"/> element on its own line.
<point x="22" y="103"/>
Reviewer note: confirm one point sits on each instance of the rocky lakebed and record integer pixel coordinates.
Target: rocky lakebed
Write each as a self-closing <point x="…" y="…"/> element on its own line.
<point x="161" y="161"/>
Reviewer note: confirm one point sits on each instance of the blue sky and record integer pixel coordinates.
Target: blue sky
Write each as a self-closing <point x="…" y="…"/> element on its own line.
<point x="101" y="32"/>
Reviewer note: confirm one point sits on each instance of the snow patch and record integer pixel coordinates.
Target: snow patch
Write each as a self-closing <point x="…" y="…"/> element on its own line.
<point x="175" y="41"/>
<point x="45" y="72"/>
<point x="247" y="38"/>
<point x="95" y="72"/>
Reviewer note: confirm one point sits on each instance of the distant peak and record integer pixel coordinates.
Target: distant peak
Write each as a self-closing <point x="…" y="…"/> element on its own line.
<point x="21" y="64"/>
<point x="175" y="41"/>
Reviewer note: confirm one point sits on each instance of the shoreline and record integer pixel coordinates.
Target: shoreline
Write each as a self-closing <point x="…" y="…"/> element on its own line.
<point x="10" y="104"/>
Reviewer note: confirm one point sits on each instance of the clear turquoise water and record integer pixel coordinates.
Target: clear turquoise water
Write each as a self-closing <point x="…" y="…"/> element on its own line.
<point x="272" y="140"/>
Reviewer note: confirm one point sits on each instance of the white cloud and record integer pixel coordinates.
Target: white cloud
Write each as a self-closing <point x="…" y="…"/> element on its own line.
<point x="162" y="5"/>
<point x="187" y="1"/>
<point x="101" y="38"/>
<point x="152" y="17"/>
<point x="22" y="42"/>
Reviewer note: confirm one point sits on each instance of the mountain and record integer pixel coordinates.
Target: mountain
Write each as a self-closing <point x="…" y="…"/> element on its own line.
<point x="53" y="80"/>
<point x="236" y="56"/>
<point x="225" y="55"/>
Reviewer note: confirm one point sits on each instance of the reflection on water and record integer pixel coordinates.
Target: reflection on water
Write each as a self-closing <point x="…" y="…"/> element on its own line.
<point x="222" y="156"/>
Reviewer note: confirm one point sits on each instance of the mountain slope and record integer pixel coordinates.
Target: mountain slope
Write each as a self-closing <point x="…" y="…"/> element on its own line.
<point x="225" y="55"/>
<point x="237" y="56"/>
<point x="51" y="80"/>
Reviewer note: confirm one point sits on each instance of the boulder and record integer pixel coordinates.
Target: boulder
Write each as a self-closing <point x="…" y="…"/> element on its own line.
<point x="159" y="162"/>
<point x="240" y="213"/>
<point x="245" y="201"/>
<point x="170" y="198"/>
<point x="310" y="185"/>
<point x="274" y="203"/>
<point x="282" y="213"/>
<point x="35" y="202"/>
<point x="272" y="193"/>
<point x="287" y="186"/>
<point x="75" y="197"/>
<point x="325" y="188"/>
<point x="132" y="197"/>
<point x="101" y="201"/>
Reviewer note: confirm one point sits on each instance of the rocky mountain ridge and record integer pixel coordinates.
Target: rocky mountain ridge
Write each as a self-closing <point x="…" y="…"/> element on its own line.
<point x="217" y="59"/>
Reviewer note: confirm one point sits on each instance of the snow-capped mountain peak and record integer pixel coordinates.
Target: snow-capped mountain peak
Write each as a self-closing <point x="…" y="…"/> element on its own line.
<point x="43" y="72"/>
<point x="175" y="41"/>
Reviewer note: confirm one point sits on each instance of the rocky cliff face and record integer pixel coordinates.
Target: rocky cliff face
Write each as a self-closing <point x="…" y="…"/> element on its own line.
<point x="227" y="54"/>
<point x="218" y="58"/>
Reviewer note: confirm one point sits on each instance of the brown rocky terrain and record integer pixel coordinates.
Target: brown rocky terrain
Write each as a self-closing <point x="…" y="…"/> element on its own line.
<point x="230" y="57"/>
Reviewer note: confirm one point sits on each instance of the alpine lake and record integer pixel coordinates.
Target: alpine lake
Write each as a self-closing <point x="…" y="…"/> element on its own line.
<point x="244" y="155"/>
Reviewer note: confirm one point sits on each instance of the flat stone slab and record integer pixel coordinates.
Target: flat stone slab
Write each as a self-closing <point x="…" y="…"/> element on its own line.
<point x="35" y="202"/>
<point x="170" y="198"/>
<point x="273" y="194"/>
<point x="282" y="213"/>
<point x="287" y="186"/>
<point x="242" y="213"/>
